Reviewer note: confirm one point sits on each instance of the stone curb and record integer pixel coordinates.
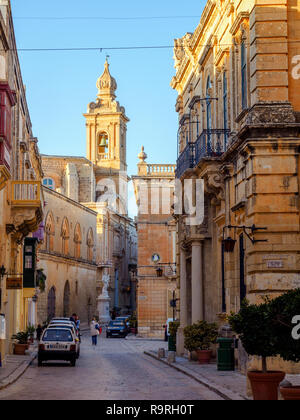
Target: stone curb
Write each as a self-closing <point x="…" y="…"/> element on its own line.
<point x="13" y="377"/>
<point x="226" y="394"/>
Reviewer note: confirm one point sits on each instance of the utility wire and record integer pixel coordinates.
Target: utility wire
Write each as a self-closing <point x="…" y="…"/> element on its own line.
<point x="143" y="47"/>
<point x="104" y="18"/>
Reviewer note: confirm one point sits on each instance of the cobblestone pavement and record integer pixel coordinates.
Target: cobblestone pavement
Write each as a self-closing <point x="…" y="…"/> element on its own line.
<point x="116" y="370"/>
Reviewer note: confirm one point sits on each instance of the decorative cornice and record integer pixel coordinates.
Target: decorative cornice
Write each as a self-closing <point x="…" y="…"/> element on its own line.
<point x="237" y="23"/>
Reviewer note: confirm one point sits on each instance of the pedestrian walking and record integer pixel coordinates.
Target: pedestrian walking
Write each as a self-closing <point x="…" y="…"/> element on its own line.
<point x="77" y="322"/>
<point x="39" y="332"/>
<point x="95" y="331"/>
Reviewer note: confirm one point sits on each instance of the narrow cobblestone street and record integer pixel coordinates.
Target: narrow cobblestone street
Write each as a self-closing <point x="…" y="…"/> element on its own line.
<point x="116" y="370"/>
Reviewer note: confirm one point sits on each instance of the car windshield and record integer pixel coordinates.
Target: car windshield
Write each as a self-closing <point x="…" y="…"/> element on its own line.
<point x="116" y="324"/>
<point x="57" y="335"/>
<point x="69" y="327"/>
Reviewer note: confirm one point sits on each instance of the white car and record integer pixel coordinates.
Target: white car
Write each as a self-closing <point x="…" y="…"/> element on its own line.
<point x="70" y="327"/>
<point x="58" y="344"/>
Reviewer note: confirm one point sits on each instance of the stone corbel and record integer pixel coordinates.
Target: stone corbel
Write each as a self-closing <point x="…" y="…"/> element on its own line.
<point x="214" y="185"/>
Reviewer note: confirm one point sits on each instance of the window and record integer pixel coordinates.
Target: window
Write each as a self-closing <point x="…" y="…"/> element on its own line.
<point x="225" y="108"/>
<point x="65" y="234"/>
<point x="208" y="104"/>
<point x="48" y="182"/>
<point x="244" y="75"/>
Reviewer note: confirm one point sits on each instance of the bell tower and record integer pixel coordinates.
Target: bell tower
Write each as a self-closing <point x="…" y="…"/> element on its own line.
<point x="106" y="125"/>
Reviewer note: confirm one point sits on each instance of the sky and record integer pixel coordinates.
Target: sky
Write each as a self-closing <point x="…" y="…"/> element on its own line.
<point x="60" y="85"/>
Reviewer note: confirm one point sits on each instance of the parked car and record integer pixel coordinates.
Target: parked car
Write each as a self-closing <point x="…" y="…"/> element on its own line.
<point x="116" y="328"/>
<point x="125" y="319"/>
<point x="166" y="327"/>
<point x="57" y="324"/>
<point x="58" y="344"/>
<point x="63" y="321"/>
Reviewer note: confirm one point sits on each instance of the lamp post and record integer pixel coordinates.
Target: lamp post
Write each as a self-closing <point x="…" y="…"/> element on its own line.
<point x="2" y="274"/>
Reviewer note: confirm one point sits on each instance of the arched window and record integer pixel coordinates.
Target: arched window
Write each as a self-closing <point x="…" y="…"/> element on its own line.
<point x="65" y="235"/>
<point x="102" y="145"/>
<point x="77" y="241"/>
<point x="49" y="182"/>
<point x="244" y="75"/>
<point x="51" y="304"/>
<point x="208" y="104"/>
<point x="66" y="304"/>
<point x="49" y="232"/>
<point x="90" y="245"/>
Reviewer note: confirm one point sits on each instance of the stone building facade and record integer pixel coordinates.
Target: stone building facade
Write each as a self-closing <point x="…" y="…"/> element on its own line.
<point x="99" y="182"/>
<point x="21" y="196"/>
<point x="237" y="78"/>
<point x="67" y="259"/>
<point x="156" y="229"/>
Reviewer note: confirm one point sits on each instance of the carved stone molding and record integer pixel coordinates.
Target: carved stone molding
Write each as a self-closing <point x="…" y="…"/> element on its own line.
<point x="270" y="113"/>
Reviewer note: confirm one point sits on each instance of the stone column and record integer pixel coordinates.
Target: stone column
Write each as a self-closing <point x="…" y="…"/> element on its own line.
<point x="197" y="282"/>
<point x="183" y="303"/>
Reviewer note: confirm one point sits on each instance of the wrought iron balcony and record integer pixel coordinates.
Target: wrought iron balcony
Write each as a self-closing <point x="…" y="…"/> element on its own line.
<point x="211" y="143"/>
<point x="186" y="160"/>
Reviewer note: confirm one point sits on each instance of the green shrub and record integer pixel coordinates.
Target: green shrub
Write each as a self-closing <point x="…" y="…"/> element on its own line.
<point x="200" y="336"/>
<point x="283" y="309"/>
<point x="173" y="327"/>
<point x="254" y="326"/>
<point x="21" y="337"/>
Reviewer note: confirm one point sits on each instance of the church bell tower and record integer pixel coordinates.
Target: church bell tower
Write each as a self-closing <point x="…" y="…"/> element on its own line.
<point x="106" y="125"/>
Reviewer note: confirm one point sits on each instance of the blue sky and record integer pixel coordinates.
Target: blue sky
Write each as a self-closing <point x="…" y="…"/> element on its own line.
<point x="61" y="84"/>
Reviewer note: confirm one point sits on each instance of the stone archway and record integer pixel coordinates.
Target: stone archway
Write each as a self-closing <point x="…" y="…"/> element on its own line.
<point x="66" y="304"/>
<point x="51" y="311"/>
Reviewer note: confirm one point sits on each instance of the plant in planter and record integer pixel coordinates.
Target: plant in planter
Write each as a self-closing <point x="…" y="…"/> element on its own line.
<point x="254" y="325"/>
<point x="21" y="345"/>
<point x="173" y="327"/>
<point x="31" y="331"/>
<point x="199" y="337"/>
<point x="284" y="309"/>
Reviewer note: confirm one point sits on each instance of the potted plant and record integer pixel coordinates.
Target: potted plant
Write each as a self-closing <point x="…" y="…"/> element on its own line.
<point x="254" y="325"/>
<point x="173" y="327"/>
<point x="21" y="345"/>
<point x="284" y="310"/>
<point x="31" y="331"/>
<point x="199" y="337"/>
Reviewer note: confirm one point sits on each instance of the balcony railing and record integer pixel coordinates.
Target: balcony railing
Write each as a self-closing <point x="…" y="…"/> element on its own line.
<point x="186" y="160"/>
<point x="26" y="194"/>
<point x="210" y="143"/>
<point x="161" y="170"/>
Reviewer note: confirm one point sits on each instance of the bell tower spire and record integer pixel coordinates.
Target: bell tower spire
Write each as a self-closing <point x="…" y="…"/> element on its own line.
<point x="106" y="124"/>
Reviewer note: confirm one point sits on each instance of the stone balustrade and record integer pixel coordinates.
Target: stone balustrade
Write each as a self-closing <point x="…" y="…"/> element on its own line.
<point x="161" y="170"/>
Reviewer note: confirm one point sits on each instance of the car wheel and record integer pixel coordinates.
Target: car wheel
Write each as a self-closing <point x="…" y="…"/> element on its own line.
<point x="40" y="362"/>
<point x="78" y="355"/>
<point x="73" y="362"/>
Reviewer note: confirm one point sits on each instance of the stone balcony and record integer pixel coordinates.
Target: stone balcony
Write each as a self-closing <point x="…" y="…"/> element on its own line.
<point x="27" y="205"/>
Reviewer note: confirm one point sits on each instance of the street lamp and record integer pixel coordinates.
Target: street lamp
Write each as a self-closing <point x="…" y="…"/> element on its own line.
<point x="159" y="272"/>
<point x="3" y="272"/>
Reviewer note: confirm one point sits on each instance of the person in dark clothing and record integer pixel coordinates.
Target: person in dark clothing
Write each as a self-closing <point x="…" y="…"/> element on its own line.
<point x="39" y="332"/>
<point x="73" y="318"/>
